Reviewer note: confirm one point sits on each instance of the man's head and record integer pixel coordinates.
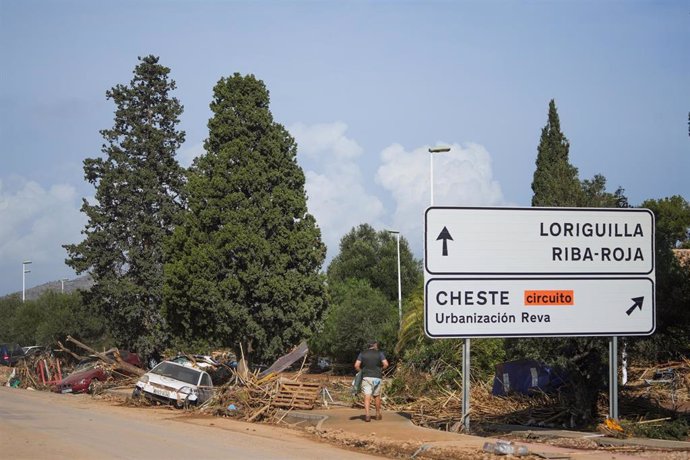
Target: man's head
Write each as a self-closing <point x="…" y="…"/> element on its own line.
<point x="373" y="344"/>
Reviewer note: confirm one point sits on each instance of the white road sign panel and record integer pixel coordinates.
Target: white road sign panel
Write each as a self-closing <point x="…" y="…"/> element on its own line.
<point x="538" y="241"/>
<point x="539" y="307"/>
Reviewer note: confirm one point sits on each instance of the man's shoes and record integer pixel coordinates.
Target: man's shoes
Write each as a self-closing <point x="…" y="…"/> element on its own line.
<point x="367" y="418"/>
<point x="379" y="417"/>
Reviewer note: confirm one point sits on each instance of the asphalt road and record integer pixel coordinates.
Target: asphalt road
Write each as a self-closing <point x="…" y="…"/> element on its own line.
<point x="40" y="425"/>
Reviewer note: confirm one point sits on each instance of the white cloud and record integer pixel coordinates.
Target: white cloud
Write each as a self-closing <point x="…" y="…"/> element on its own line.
<point x="334" y="182"/>
<point x="34" y="224"/>
<point x="462" y="177"/>
<point x="338" y="196"/>
<point x="315" y="140"/>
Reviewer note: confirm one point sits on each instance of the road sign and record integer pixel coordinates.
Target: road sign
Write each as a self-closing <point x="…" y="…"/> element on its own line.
<point x="539" y="307"/>
<point x="538" y="272"/>
<point x="538" y="241"/>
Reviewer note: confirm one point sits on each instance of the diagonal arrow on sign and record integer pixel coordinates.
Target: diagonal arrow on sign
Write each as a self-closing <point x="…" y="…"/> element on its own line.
<point x="445" y="236"/>
<point x="638" y="304"/>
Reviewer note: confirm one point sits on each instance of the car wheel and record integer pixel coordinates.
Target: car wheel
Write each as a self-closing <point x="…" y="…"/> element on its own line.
<point x="136" y="394"/>
<point x="92" y="386"/>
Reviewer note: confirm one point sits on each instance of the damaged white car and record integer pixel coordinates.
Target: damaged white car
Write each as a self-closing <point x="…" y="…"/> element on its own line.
<point x="174" y="383"/>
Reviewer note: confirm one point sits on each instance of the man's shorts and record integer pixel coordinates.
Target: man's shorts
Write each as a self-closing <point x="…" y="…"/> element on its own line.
<point x="371" y="386"/>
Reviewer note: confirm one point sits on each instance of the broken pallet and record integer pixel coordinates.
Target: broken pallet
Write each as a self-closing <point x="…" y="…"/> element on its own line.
<point x="297" y="395"/>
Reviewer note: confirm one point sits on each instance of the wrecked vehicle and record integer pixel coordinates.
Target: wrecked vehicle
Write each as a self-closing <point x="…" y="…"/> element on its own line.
<point x="83" y="379"/>
<point x="10" y="354"/>
<point x="89" y="372"/>
<point x="219" y="370"/>
<point x="175" y="383"/>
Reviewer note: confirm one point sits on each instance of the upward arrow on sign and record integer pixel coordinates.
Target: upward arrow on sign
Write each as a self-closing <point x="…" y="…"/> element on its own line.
<point x="445" y="236"/>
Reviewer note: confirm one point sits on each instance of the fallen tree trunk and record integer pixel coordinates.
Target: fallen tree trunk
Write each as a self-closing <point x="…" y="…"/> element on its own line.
<point x="118" y="362"/>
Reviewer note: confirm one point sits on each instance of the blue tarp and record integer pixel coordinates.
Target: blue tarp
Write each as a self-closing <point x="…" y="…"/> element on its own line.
<point x="525" y="376"/>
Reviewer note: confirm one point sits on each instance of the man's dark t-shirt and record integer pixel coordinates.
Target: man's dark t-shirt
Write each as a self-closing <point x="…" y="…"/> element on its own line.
<point x="372" y="362"/>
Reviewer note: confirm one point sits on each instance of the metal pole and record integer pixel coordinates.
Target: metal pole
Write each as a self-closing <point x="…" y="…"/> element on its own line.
<point x="613" y="378"/>
<point x="397" y="235"/>
<point x="466" y="386"/>
<point x="431" y="176"/>
<point x="399" y="286"/>
<point x="433" y="150"/>
<point x="24" y="272"/>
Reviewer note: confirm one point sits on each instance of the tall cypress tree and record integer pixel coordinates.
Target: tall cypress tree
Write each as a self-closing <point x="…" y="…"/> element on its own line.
<point x="555" y="181"/>
<point x="138" y="184"/>
<point x="245" y="264"/>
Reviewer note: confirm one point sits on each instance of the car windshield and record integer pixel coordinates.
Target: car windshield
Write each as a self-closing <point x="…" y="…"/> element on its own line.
<point x="181" y="373"/>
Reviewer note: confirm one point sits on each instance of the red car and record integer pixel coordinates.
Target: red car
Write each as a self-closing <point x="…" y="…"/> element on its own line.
<point x="90" y="371"/>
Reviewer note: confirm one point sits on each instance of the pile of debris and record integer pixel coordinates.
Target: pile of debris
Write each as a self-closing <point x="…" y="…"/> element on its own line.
<point x="51" y="369"/>
<point x="665" y="386"/>
<point x="254" y="396"/>
<point x="442" y="408"/>
<point x="653" y="392"/>
<point x="40" y="371"/>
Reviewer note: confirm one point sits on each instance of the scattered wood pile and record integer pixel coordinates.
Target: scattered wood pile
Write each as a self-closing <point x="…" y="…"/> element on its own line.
<point x="40" y="371"/>
<point x="258" y="396"/>
<point x="653" y="390"/>
<point x="443" y="408"/>
<point x="651" y="393"/>
<point x="43" y="371"/>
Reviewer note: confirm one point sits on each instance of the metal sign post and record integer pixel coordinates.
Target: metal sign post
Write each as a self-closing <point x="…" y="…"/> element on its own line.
<point x="613" y="378"/>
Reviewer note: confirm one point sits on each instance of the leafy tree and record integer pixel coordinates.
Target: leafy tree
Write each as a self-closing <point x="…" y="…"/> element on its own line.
<point x="671" y="339"/>
<point x="8" y="308"/>
<point x="138" y="183"/>
<point x="672" y="222"/>
<point x="66" y="314"/>
<point x="358" y="313"/>
<point x="49" y="318"/>
<point x="555" y="181"/>
<point x="419" y="351"/>
<point x="25" y="321"/>
<point x="244" y="266"/>
<point x="373" y="256"/>
<point x="594" y="194"/>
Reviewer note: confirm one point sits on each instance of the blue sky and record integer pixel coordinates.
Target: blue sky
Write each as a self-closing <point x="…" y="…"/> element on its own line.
<point x="365" y="87"/>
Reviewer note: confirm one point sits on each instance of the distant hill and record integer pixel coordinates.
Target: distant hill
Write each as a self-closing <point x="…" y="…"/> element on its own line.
<point x="84" y="283"/>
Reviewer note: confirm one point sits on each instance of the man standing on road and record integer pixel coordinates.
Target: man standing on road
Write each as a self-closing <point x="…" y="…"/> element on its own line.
<point x="371" y="362"/>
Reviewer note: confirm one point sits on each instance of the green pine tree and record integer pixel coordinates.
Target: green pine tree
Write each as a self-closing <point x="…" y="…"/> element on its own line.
<point x="138" y="183"/>
<point x="245" y="264"/>
<point x="555" y="181"/>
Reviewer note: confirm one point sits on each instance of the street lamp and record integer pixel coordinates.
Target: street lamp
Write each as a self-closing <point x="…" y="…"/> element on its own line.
<point x="433" y="150"/>
<point x="397" y="234"/>
<point x="24" y="272"/>
<point x="466" y="347"/>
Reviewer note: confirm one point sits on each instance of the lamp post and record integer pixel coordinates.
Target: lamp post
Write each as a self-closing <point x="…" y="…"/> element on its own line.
<point x="433" y="150"/>
<point x="62" y="285"/>
<point x="466" y="347"/>
<point x="24" y="272"/>
<point x="397" y="234"/>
